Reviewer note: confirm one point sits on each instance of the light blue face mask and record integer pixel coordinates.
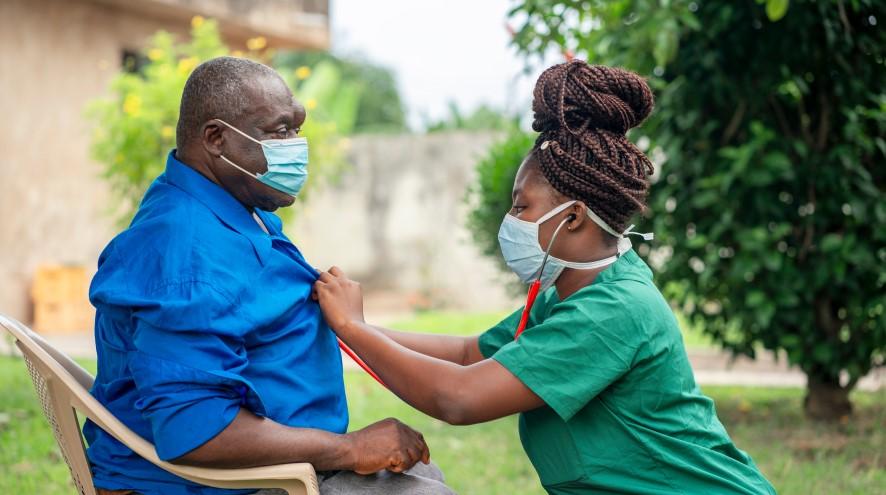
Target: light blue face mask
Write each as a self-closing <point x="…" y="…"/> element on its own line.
<point x="287" y="162"/>
<point x="524" y="255"/>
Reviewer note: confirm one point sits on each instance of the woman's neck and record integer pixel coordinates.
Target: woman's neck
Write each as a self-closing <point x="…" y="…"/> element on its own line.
<point x="571" y="280"/>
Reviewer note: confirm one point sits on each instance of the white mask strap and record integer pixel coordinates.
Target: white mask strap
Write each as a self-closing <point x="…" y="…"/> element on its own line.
<point x="547" y="216"/>
<point x="624" y="245"/>
<point x="647" y="236"/>
<point x="247" y="136"/>
<point x="238" y="167"/>
<point x="603" y="225"/>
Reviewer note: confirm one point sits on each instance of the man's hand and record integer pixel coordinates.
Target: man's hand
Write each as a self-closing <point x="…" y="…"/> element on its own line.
<point x="341" y="299"/>
<point x="388" y="444"/>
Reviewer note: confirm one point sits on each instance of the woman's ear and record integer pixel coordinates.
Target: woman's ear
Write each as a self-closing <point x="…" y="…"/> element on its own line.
<point x="577" y="216"/>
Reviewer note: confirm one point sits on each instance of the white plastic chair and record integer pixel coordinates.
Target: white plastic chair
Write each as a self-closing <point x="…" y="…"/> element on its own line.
<point x="63" y="389"/>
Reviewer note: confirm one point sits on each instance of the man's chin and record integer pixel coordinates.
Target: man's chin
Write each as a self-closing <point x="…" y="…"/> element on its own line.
<point x="281" y="202"/>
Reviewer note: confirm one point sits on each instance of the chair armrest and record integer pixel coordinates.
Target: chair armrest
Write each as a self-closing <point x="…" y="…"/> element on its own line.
<point x="296" y="478"/>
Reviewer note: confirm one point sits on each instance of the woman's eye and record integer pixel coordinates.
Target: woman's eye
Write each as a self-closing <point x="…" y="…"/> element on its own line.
<point x="517" y="208"/>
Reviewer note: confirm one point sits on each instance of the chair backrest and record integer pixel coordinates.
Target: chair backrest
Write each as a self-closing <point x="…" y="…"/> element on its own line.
<point x="54" y="376"/>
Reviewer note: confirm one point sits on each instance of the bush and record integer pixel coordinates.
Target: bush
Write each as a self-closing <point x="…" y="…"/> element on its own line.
<point x="489" y="197"/>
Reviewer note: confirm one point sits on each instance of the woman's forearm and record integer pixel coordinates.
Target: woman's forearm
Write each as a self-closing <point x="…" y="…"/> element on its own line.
<point x="433" y="385"/>
<point x="458" y="350"/>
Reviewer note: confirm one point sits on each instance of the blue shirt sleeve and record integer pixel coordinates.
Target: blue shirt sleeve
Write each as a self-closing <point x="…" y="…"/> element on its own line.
<point x="187" y="363"/>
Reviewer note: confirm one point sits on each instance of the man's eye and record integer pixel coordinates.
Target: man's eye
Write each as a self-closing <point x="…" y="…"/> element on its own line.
<point x="517" y="208"/>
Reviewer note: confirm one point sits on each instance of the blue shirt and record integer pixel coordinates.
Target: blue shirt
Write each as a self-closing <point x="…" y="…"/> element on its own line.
<point x="199" y="312"/>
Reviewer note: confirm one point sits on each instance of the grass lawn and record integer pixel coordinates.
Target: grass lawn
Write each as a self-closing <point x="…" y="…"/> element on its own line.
<point x="799" y="457"/>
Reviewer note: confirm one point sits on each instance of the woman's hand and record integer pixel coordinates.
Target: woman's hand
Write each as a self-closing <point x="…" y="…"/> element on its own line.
<point x="341" y="299"/>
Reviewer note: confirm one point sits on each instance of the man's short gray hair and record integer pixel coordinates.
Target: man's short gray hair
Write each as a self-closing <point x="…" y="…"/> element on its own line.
<point x="216" y="90"/>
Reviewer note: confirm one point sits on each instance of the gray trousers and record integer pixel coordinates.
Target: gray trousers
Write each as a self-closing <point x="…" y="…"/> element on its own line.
<point x="422" y="479"/>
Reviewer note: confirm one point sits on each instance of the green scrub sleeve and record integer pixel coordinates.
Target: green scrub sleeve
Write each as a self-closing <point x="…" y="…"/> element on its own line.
<point x="573" y="355"/>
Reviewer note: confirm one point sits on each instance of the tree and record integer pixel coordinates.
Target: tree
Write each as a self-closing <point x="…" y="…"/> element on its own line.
<point x="380" y="107"/>
<point x="770" y="207"/>
<point x="135" y="126"/>
<point x="482" y="118"/>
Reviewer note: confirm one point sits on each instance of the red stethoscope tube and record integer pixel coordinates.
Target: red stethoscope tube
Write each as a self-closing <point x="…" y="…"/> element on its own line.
<point x="530" y="300"/>
<point x="536" y="285"/>
<point x="353" y="355"/>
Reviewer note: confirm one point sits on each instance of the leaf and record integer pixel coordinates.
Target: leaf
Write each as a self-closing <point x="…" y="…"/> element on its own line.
<point x="823" y="353"/>
<point x="831" y="243"/>
<point x="776" y="9"/>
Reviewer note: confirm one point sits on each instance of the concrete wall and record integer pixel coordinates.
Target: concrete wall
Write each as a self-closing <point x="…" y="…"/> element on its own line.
<point x="396" y="221"/>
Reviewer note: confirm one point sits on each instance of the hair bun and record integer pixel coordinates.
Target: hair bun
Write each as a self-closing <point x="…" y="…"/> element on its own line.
<point x="576" y="96"/>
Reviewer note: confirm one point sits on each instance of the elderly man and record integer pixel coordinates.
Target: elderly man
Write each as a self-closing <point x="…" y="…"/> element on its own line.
<point x="209" y="344"/>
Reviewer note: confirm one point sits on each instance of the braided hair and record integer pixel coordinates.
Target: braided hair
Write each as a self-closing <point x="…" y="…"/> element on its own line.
<point x="582" y="113"/>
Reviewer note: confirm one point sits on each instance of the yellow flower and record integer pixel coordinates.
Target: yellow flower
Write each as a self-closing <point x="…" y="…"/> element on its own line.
<point x="197" y="21"/>
<point x="745" y="406"/>
<point x="256" y="43"/>
<point x="311" y="104"/>
<point x="155" y="54"/>
<point x="132" y="105"/>
<point x="167" y="131"/>
<point x="303" y="72"/>
<point x="237" y="53"/>
<point x="185" y="65"/>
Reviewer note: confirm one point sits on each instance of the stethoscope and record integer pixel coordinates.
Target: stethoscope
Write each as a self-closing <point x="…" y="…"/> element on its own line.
<point x="536" y="285"/>
<point x="524" y="318"/>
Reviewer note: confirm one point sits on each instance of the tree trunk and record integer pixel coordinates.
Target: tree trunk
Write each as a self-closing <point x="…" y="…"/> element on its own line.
<point x="826" y="400"/>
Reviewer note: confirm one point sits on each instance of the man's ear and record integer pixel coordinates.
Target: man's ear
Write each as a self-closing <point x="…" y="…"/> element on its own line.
<point x="212" y="137"/>
<point x="577" y="216"/>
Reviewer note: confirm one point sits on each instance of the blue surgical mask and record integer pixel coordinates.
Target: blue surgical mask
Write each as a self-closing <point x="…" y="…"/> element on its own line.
<point x="287" y="162"/>
<point x="524" y="255"/>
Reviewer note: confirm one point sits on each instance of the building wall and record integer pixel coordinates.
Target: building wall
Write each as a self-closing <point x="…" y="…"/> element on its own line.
<point x="55" y="56"/>
<point x="394" y="220"/>
<point x="397" y="219"/>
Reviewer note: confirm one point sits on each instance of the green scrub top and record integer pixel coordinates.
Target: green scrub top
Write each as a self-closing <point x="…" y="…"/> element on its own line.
<point x="623" y="413"/>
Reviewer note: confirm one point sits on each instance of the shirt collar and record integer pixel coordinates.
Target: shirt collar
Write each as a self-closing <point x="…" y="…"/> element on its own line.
<point x="225" y="207"/>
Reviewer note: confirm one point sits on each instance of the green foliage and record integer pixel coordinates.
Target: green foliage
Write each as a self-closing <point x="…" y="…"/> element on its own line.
<point x="770" y="206"/>
<point x="135" y="126"/>
<point x="380" y="107"/>
<point x="489" y="197"/>
<point x="482" y="118"/>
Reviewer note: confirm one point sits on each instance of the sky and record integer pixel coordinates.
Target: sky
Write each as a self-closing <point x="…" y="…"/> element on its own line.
<point x="440" y="51"/>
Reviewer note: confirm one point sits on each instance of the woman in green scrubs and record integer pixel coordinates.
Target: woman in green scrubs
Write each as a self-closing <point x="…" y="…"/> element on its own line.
<point x="600" y="377"/>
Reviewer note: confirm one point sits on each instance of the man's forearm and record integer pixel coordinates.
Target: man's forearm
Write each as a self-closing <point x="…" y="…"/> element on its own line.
<point x="253" y="441"/>
<point x="455" y="349"/>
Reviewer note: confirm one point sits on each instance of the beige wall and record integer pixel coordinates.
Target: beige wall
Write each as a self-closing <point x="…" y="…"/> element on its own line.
<point x="55" y="55"/>
<point x="396" y="221"/>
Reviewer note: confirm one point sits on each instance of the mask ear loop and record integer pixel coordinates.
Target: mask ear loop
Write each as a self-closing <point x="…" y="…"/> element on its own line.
<point x="534" y="288"/>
